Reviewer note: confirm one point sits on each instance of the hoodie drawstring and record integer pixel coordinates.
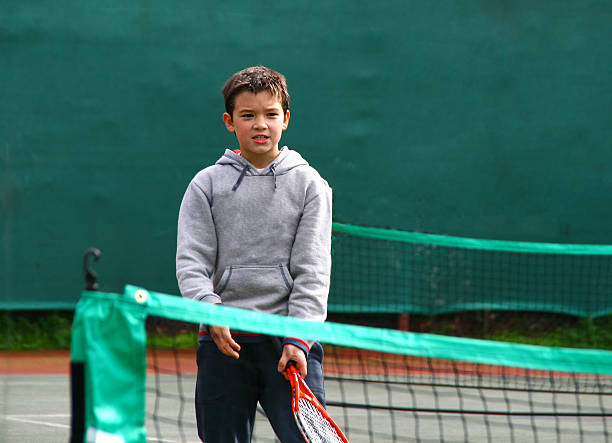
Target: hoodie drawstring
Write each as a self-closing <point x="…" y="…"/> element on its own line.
<point x="242" y="174"/>
<point x="274" y="174"/>
<point x="245" y="170"/>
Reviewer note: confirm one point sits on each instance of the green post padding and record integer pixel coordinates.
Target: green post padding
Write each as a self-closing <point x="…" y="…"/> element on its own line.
<point x="109" y="338"/>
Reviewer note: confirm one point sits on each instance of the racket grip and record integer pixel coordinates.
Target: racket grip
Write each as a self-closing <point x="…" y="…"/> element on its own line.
<point x="291" y="368"/>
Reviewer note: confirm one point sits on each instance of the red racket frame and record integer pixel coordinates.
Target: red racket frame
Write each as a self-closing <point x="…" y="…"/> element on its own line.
<point x="299" y="390"/>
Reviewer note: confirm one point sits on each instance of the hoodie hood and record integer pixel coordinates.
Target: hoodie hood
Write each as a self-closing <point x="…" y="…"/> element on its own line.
<point x="285" y="162"/>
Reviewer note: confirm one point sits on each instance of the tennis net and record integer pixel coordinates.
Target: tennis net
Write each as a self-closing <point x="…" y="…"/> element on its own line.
<point x="389" y="271"/>
<point x="133" y="382"/>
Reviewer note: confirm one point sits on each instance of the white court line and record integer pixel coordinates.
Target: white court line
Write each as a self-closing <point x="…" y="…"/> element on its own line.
<point x="38" y="415"/>
<point x="11" y="383"/>
<point x="25" y="419"/>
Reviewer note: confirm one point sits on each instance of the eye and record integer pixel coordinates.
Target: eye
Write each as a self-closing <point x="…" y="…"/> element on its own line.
<point x="247" y="115"/>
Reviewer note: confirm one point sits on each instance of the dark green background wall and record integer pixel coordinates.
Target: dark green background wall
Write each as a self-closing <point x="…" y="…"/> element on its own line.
<point x="482" y="118"/>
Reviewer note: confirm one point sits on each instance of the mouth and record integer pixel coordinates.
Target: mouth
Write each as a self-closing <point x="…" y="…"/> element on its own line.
<point x="260" y="138"/>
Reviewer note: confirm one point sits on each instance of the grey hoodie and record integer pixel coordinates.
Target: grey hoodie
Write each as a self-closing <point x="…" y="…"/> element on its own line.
<point x="258" y="240"/>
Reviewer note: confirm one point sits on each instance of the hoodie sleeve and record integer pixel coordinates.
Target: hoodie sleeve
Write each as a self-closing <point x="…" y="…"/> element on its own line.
<point x="196" y="246"/>
<point x="310" y="264"/>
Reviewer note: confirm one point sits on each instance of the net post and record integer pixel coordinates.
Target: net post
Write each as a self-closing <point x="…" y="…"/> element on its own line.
<point x="91" y="278"/>
<point x="77" y="394"/>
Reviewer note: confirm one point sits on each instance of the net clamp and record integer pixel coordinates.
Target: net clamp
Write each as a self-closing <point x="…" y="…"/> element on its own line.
<point x="141" y="296"/>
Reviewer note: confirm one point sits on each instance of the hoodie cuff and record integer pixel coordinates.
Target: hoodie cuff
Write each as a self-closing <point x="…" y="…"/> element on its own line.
<point x="303" y="345"/>
<point x="209" y="297"/>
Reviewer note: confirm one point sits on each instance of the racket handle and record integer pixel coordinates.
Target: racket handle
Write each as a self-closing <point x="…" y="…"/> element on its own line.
<point x="291" y="368"/>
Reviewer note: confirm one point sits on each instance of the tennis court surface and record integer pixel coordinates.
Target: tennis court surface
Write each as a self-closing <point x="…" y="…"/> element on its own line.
<point x="34" y="397"/>
<point x="35" y="408"/>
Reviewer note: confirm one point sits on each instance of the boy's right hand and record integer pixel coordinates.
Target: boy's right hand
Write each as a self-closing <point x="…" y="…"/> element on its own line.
<point x="223" y="339"/>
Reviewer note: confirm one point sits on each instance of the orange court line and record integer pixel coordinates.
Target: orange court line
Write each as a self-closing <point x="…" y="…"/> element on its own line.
<point x="337" y="362"/>
<point x="34" y="362"/>
<point x="58" y="362"/>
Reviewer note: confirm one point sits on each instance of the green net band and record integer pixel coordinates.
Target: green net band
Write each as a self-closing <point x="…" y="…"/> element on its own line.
<point x="375" y="339"/>
<point x="471" y="243"/>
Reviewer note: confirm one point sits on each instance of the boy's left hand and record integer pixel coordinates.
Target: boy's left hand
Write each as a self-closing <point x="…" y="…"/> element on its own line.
<point x="291" y="352"/>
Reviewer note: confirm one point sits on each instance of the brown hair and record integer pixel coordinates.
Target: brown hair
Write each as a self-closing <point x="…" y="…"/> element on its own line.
<point x="256" y="79"/>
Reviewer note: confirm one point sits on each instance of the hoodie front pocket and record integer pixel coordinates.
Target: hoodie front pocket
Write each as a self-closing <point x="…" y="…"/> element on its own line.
<point x="262" y="288"/>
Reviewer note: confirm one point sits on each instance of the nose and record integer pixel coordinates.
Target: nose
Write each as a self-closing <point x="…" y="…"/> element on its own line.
<point x="260" y="122"/>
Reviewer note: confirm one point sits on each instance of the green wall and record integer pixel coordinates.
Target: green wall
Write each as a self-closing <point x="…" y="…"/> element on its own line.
<point x="485" y="119"/>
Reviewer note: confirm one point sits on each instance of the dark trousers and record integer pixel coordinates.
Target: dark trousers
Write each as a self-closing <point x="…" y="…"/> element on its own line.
<point x="228" y="389"/>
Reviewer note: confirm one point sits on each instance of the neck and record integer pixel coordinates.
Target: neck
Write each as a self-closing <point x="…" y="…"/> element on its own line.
<point x="260" y="161"/>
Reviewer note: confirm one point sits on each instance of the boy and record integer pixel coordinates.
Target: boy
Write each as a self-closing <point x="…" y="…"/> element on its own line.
<point x="254" y="232"/>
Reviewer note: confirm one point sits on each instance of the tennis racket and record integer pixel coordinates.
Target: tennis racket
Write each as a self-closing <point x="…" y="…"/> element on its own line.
<point x="312" y="419"/>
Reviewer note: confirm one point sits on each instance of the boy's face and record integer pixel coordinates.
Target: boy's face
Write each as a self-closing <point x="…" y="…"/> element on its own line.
<point x="258" y="121"/>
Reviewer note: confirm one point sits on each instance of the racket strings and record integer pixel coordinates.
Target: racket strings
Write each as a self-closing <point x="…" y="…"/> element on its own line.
<point x="317" y="427"/>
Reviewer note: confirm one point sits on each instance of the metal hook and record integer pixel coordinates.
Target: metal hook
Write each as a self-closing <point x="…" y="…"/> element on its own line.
<point x="91" y="278"/>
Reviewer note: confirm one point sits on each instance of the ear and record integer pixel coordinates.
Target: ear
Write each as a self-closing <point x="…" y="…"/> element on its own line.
<point x="229" y="124"/>
<point x="286" y="120"/>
